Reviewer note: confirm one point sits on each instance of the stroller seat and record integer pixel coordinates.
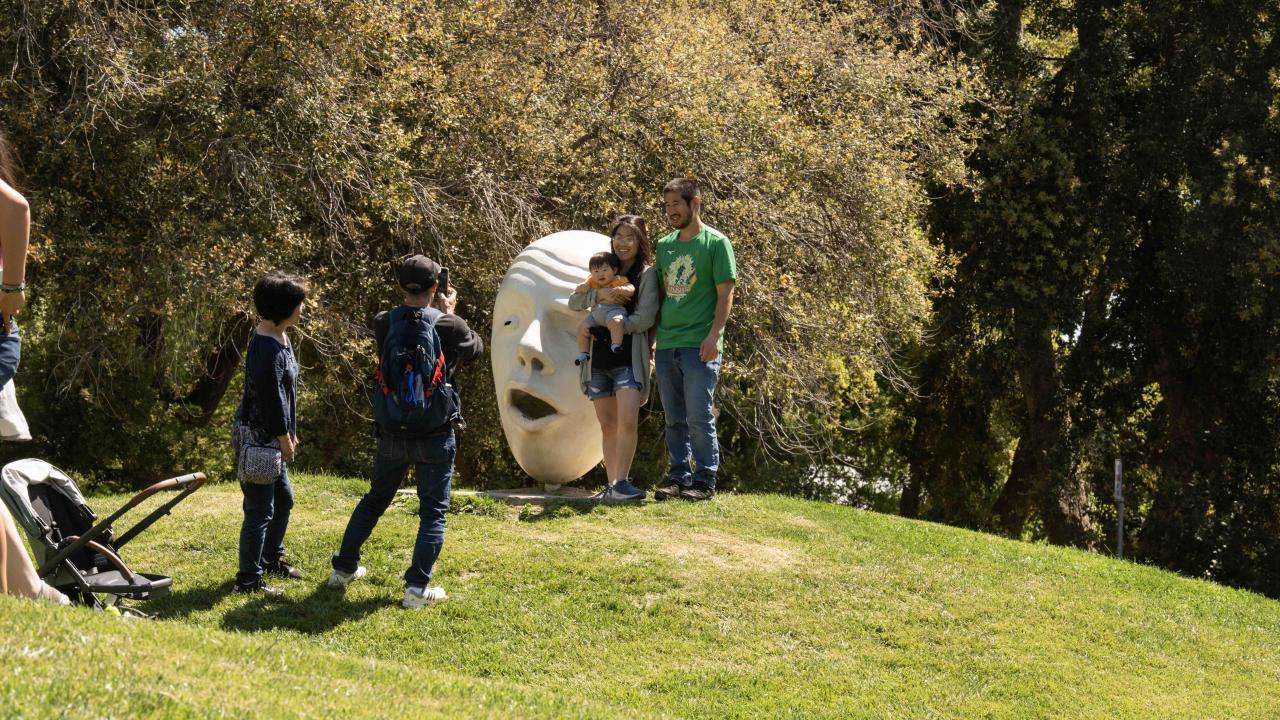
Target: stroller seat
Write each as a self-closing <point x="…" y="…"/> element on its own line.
<point x="73" y="553"/>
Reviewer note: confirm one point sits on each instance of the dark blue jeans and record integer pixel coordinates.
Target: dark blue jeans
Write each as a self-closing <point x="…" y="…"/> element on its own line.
<point x="266" y="517"/>
<point x="432" y="458"/>
<point x="688" y="388"/>
<point x="10" y="354"/>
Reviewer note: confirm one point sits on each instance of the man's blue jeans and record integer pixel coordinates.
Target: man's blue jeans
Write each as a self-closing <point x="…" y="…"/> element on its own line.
<point x="688" y="387"/>
<point x="433" y="460"/>
<point x="266" y="518"/>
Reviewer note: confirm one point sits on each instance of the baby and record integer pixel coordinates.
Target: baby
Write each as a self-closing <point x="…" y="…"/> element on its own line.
<point x="605" y="268"/>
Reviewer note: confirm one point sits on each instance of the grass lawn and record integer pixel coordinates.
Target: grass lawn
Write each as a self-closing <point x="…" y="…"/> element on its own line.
<point x="757" y="606"/>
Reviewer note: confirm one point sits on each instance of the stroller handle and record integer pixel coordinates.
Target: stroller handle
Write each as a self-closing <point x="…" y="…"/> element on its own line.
<point x="188" y="483"/>
<point x="198" y="478"/>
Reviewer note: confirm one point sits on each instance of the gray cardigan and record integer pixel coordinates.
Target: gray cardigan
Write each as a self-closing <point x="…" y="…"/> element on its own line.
<point x="637" y="323"/>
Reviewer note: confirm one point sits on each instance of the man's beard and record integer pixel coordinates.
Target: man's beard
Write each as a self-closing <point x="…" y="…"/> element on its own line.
<point x="682" y="225"/>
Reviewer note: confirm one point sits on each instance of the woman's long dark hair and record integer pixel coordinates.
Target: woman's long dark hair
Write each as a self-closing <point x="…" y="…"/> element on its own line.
<point x="644" y="251"/>
<point x="8" y="162"/>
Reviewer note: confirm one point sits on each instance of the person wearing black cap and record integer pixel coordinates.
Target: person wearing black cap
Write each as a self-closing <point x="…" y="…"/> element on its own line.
<point x="426" y="319"/>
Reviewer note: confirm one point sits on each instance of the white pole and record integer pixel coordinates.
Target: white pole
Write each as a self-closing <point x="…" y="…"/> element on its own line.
<point x="1120" y="515"/>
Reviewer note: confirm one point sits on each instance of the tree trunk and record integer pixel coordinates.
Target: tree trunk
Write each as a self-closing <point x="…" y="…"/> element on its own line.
<point x="219" y="368"/>
<point x="1038" y="435"/>
<point x="1040" y="478"/>
<point x="909" y="502"/>
<point x="1181" y="503"/>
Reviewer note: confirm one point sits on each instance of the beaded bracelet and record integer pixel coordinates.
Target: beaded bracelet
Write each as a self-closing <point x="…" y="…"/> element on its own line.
<point x="10" y="289"/>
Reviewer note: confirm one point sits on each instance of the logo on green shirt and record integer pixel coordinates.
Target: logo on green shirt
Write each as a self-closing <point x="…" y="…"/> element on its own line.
<point x="680" y="277"/>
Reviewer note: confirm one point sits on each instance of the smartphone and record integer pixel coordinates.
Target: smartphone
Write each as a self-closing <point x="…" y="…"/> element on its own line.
<point x="443" y="289"/>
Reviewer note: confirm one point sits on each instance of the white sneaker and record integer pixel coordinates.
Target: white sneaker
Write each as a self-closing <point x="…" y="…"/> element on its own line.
<point x="420" y="597"/>
<point x="340" y="579"/>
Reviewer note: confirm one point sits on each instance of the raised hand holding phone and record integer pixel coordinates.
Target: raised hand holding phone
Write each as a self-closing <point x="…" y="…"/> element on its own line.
<point x="446" y="297"/>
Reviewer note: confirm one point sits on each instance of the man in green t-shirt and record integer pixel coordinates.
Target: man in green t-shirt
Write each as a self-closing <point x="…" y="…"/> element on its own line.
<point x="697" y="272"/>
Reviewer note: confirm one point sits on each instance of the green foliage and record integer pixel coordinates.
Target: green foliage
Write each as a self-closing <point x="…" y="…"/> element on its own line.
<point x="986" y="247"/>
<point x="177" y="151"/>
<point x="1113" y="293"/>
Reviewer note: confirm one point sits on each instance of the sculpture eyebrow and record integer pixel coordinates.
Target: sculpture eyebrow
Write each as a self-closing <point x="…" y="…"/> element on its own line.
<point x="542" y="265"/>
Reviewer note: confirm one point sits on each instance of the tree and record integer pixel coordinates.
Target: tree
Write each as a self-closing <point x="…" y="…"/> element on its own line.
<point x="176" y="151"/>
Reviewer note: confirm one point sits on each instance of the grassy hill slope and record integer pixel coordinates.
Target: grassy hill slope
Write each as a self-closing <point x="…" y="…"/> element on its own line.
<point x="747" y="606"/>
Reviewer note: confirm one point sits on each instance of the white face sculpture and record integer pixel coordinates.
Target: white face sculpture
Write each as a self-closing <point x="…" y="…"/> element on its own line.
<point x="549" y="423"/>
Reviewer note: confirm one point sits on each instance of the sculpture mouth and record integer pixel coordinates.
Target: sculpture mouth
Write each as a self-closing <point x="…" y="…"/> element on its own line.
<point x="531" y="409"/>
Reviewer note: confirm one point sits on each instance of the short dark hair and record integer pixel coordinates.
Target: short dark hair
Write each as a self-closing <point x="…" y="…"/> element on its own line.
<point x="278" y="294"/>
<point x="605" y="258"/>
<point x="686" y="188"/>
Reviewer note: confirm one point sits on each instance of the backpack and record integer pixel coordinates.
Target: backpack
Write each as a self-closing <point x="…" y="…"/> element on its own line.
<point x="411" y="396"/>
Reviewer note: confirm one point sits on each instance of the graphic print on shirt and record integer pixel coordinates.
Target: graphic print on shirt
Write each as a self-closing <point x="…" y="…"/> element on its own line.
<point x="680" y="277"/>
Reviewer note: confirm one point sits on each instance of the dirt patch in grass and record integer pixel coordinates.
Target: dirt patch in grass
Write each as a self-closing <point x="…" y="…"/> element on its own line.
<point x="711" y="547"/>
<point x="802" y="522"/>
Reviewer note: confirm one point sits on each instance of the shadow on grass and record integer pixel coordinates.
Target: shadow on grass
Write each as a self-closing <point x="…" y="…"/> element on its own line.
<point x="183" y="603"/>
<point x="324" y="609"/>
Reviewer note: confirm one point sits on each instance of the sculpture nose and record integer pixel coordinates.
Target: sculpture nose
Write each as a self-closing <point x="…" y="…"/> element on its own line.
<point x="530" y="353"/>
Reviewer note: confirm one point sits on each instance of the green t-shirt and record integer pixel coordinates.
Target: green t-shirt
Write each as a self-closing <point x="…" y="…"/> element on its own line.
<point x="690" y="272"/>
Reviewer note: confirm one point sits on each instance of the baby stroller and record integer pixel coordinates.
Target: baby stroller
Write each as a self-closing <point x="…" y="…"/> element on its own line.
<point x="72" y="553"/>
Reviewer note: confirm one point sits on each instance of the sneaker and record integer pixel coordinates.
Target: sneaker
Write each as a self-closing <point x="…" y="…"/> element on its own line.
<point x="669" y="491"/>
<point x="256" y="586"/>
<point x="338" y="579"/>
<point x="282" y="569"/>
<point x="420" y="597"/>
<point x="624" y="491"/>
<point x="697" y="491"/>
<point x="604" y="495"/>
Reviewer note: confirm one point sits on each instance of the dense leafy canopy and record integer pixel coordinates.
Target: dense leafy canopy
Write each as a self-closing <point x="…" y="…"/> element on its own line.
<point x="176" y="151"/>
<point x="986" y="247"/>
<point x="1115" y="293"/>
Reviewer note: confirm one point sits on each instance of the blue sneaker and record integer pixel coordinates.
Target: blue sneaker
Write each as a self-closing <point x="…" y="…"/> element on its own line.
<point x="623" y="491"/>
<point x="604" y="495"/>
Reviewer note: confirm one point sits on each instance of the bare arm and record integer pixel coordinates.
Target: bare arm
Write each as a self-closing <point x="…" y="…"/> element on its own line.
<point x="616" y="295"/>
<point x="15" y="235"/>
<point x="724" y="303"/>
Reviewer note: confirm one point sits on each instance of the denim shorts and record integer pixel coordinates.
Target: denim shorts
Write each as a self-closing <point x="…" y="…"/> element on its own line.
<point x="605" y="383"/>
<point x="10" y="353"/>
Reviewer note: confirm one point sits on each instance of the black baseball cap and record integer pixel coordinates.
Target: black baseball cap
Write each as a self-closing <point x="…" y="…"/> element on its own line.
<point x="417" y="273"/>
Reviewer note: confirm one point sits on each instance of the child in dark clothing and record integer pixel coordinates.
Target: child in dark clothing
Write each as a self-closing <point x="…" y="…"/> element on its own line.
<point x="606" y="271"/>
<point x="267" y="417"/>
